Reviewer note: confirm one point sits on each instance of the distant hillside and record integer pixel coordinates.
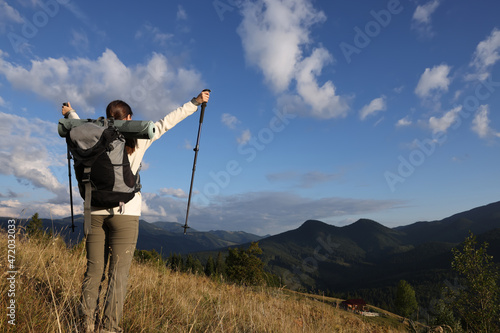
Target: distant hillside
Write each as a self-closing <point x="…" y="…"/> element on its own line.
<point x="369" y="257"/>
<point x="233" y="237"/>
<point x="168" y="237"/>
<point x="365" y="258"/>
<point x="164" y="237"/>
<point x="455" y="228"/>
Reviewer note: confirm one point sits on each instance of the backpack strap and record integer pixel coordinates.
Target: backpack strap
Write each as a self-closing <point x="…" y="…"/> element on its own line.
<point x="87" y="220"/>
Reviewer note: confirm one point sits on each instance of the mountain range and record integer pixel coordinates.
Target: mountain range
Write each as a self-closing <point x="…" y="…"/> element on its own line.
<point x="164" y="237"/>
<point x="368" y="259"/>
<point x="364" y="258"/>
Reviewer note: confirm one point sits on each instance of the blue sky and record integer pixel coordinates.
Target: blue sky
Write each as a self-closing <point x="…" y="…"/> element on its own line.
<point x="328" y="110"/>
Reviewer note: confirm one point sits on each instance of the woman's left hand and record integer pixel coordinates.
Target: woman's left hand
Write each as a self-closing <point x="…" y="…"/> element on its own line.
<point x="203" y="97"/>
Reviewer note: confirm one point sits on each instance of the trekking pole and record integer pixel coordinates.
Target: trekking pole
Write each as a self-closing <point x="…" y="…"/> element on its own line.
<point x="70" y="186"/>
<point x="196" y="149"/>
<point x="71" y="193"/>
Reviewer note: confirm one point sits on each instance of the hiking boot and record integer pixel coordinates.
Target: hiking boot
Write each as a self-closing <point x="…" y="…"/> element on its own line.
<point x="86" y="324"/>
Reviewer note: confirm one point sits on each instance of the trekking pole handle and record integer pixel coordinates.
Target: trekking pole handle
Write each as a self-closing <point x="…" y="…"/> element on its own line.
<point x="203" y="106"/>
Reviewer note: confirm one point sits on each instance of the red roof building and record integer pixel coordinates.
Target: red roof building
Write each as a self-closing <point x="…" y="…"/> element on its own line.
<point x="354" y="305"/>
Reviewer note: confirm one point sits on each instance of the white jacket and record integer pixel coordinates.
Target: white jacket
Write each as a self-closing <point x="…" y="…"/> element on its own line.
<point x="133" y="207"/>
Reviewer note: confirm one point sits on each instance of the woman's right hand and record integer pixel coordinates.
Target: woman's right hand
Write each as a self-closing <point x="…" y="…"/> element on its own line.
<point x="66" y="108"/>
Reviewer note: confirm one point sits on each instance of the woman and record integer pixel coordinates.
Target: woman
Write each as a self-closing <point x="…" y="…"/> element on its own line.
<point x="114" y="231"/>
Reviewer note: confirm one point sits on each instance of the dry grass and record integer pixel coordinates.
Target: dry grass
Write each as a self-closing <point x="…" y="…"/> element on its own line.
<point x="160" y="300"/>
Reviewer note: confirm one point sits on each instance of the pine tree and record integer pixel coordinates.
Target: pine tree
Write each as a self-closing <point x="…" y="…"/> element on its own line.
<point x="35" y="226"/>
<point x="210" y="266"/>
<point x="175" y="262"/>
<point x="198" y="267"/>
<point x="193" y="265"/>
<point x="244" y="266"/>
<point x="189" y="266"/>
<point x="220" y="266"/>
<point x="406" y="302"/>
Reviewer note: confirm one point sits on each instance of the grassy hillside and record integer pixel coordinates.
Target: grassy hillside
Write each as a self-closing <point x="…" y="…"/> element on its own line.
<point x="47" y="290"/>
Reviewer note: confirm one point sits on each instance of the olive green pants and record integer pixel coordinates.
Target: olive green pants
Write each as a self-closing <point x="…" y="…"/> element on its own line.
<point x="112" y="241"/>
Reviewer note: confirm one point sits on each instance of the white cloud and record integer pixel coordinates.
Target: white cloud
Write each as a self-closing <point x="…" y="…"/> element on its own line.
<point x="324" y="101"/>
<point x="88" y="84"/>
<point x="246" y="135"/>
<point x="274" y="34"/>
<point x="486" y="55"/>
<point x="273" y="212"/>
<point x="154" y="33"/>
<point x="229" y="120"/>
<point x="403" y="122"/>
<point x="24" y="153"/>
<point x="421" y="20"/>
<point x="8" y="14"/>
<point x="181" y="13"/>
<point x="481" y="123"/>
<point x="15" y="204"/>
<point x="378" y="104"/>
<point x="165" y="208"/>
<point x="174" y="192"/>
<point x="257" y="212"/>
<point x="459" y="159"/>
<point x="442" y="124"/>
<point x="187" y="145"/>
<point x="18" y="209"/>
<point x="399" y="89"/>
<point x="433" y="80"/>
<point x="80" y="41"/>
<point x="423" y="13"/>
<point x="457" y="95"/>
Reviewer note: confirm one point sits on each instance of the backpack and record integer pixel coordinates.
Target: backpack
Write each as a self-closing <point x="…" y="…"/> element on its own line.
<point x="102" y="167"/>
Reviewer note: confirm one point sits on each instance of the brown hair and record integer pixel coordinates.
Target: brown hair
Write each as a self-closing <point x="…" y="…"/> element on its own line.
<point x="120" y="110"/>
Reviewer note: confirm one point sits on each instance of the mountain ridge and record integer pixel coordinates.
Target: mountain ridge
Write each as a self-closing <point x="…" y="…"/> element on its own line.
<point x="365" y="257"/>
<point x="368" y="258"/>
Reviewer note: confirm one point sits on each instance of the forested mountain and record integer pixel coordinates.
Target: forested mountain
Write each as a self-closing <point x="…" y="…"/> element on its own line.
<point x="365" y="258"/>
<point x="368" y="259"/>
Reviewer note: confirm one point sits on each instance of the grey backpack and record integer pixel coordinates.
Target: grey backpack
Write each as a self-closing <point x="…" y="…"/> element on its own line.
<point x="102" y="167"/>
